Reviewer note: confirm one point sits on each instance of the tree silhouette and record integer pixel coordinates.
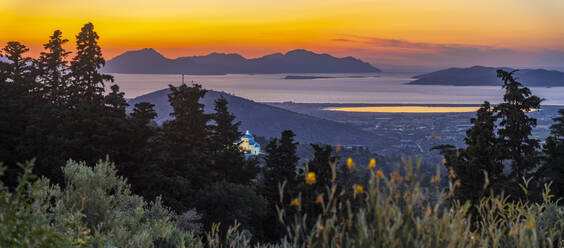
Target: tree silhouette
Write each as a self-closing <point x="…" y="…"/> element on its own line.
<point x="87" y="82"/>
<point x="53" y="69"/>
<point x="515" y="126"/>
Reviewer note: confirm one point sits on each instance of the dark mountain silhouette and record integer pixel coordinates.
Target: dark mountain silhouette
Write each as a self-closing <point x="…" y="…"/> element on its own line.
<point x="149" y="61"/>
<point x="480" y="75"/>
<point x="268" y="121"/>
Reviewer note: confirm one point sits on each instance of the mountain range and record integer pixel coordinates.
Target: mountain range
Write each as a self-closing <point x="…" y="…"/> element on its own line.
<point x="269" y="121"/>
<point x="149" y="61"/>
<point x="485" y="76"/>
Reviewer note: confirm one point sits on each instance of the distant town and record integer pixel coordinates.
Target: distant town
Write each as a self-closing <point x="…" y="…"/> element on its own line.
<point x="413" y="134"/>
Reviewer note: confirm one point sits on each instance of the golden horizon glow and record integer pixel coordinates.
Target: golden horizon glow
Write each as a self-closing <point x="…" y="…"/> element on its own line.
<point x="382" y="29"/>
<point x="406" y="109"/>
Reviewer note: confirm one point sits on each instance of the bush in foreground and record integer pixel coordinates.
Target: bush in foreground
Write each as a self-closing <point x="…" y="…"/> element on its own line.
<point x="95" y="209"/>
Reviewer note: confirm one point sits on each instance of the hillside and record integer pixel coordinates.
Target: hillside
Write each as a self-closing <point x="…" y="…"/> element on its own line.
<point x="268" y="121"/>
<point x="480" y="75"/>
<point x="149" y="61"/>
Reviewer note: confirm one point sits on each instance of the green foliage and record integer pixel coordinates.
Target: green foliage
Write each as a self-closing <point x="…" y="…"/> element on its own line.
<point x="95" y="209"/>
<point x="87" y="82"/>
<point x="479" y="167"/>
<point x="228" y="161"/>
<point x="279" y="172"/>
<point x="553" y="169"/>
<point x="397" y="211"/>
<point x="53" y="69"/>
<point x="230" y="202"/>
<point x="515" y="126"/>
<point x="21" y="225"/>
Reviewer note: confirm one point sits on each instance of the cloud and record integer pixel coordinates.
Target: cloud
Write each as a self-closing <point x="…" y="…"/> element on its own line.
<point x="402" y="52"/>
<point x="343" y="40"/>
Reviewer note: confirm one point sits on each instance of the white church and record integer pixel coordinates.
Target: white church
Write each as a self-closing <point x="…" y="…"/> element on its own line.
<point x="248" y="144"/>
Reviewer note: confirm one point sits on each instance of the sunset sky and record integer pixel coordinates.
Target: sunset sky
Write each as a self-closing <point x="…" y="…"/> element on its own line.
<point x="430" y="33"/>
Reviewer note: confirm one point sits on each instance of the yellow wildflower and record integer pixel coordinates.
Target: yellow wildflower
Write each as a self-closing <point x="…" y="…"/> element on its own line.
<point x="350" y="163"/>
<point x="319" y="199"/>
<point x="406" y="195"/>
<point x="435" y="179"/>
<point x="396" y="177"/>
<point x="295" y="202"/>
<point x="358" y="189"/>
<point x="379" y="174"/>
<point x="530" y="224"/>
<point x="372" y="163"/>
<point x="310" y="178"/>
<point x="451" y="174"/>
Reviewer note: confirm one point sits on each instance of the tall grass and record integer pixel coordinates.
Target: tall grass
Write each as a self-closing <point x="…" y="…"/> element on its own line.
<point x="397" y="211"/>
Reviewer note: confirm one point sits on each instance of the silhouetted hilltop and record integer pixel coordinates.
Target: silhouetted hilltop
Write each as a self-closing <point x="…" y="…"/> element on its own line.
<point x="480" y="75"/>
<point x="149" y="61"/>
<point x="268" y="121"/>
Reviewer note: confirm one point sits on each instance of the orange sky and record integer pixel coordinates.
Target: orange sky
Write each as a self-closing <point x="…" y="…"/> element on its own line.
<point x="380" y="31"/>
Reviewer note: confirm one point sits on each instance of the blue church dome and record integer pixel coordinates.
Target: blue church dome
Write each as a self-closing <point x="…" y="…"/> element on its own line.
<point x="248" y="135"/>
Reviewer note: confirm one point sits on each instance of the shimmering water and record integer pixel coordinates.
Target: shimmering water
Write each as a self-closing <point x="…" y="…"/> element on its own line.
<point x="351" y="88"/>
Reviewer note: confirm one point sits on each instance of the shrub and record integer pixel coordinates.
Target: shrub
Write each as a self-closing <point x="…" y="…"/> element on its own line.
<point x="95" y="209"/>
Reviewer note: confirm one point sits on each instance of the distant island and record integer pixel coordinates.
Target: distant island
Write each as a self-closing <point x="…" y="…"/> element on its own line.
<point x="487" y="76"/>
<point x="297" y="77"/>
<point x="149" y="61"/>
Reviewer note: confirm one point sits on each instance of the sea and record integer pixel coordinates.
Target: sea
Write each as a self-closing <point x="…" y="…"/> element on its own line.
<point x="380" y="88"/>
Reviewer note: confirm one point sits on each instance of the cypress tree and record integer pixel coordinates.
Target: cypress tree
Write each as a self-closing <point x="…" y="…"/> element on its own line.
<point x="20" y="68"/>
<point x="320" y="165"/>
<point x="53" y="69"/>
<point x="515" y="126"/>
<point x="478" y="166"/>
<point x="18" y="98"/>
<point x="87" y="82"/>
<point x="281" y="161"/>
<point x="483" y="147"/>
<point x="280" y="167"/>
<point x="184" y="147"/>
<point x="553" y="167"/>
<point x="143" y="113"/>
<point x="228" y="161"/>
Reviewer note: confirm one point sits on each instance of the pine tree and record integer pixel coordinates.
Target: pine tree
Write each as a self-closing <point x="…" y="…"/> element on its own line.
<point x="53" y="69"/>
<point x="18" y="98"/>
<point x="142" y="131"/>
<point x="281" y="161"/>
<point x="184" y="147"/>
<point x="115" y="139"/>
<point x="478" y="166"/>
<point x="515" y="126"/>
<point x="116" y="102"/>
<point x="553" y="167"/>
<point x="143" y="113"/>
<point x="87" y="82"/>
<point x="483" y="147"/>
<point x="280" y="167"/>
<point x="188" y="133"/>
<point x="20" y="68"/>
<point x="320" y="165"/>
<point x="228" y="160"/>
